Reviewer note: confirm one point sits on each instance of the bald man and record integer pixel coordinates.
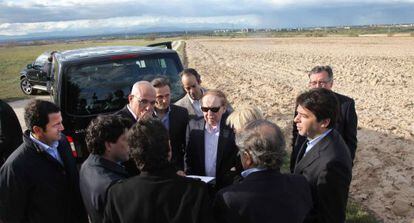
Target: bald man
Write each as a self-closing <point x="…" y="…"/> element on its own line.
<point x="141" y="102"/>
<point x="140" y="105"/>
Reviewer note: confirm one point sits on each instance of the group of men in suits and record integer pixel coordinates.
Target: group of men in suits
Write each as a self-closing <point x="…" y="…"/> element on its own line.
<point x="141" y="154"/>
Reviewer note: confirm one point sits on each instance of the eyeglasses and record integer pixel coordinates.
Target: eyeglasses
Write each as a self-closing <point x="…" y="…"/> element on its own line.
<point x="213" y="109"/>
<point x="319" y="83"/>
<point x="144" y="101"/>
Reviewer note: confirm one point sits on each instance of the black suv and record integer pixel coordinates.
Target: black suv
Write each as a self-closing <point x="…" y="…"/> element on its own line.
<point x="33" y="78"/>
<point x="92" y="81"/>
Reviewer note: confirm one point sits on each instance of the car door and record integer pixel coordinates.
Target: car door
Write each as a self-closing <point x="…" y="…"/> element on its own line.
<point x="36" y="75"/>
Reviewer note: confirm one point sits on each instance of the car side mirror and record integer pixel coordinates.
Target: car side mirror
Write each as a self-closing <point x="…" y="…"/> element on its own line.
<point x="29" y="66"/>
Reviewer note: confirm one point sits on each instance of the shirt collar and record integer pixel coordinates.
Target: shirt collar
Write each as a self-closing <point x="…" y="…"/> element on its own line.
<point x="133" y="114"/>
<point x="44" y="146"/>
<point x="250" y="171"/>
<point x="211" y="129"/>
<point x="166" y="114"/>
<point x="314" y="141"/>
<point x="192" y="100"/>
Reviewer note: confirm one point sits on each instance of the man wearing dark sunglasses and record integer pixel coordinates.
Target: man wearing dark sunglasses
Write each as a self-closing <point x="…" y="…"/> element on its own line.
<point x="140" y="105"/>
<point x="191" y="81"/>
<point x="211" y="149"/>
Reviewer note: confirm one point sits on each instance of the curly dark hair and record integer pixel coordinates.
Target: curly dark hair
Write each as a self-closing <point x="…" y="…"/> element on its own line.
<point x="105" y="128"/>
<point x="36" y="113"/>
<point x="322" y="103"/>
<point x="149" y="143"/>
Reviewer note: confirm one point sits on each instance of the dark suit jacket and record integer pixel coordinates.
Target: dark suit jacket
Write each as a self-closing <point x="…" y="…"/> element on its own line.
<point x="125" y="113"/>
<point x="130" y="165"/>
<point x="227" y="157"/>
<point x="97" y="174"/>
<point x="328" y="169"/>
<point x="347" y="126"/>
<point x="157" y="198"/>
<point x="265" y="196"/>
<point x="35" y="187"/>
<point x="178" y="125"/>
<point x="10" y="131"/>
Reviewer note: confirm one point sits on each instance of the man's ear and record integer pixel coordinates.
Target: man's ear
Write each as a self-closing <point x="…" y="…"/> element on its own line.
<point x="248" y="158"/>
<point x="130" y="98"/>
<point x="37" y="130"/>
<point x="107" y="146"/>
<point x="325" y="123"/>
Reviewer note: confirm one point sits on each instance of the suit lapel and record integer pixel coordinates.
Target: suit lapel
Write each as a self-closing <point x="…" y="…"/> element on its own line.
<point x="202" y="146"/>
<point x="173" y="121"/>
<point x="128" y="114"/>
<point x="301" y="152"/>
<point x="189" y="106"/>
<point x="221" y="145"/>
<point x="313" y="154"/>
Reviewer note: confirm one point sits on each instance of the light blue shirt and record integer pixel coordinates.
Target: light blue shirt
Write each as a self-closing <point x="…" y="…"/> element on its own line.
<point x="311" y="143"/>
<point x="251" y="170"/>
<point x="51" y="150"/>
<point x="211" y="137"/>
<point x="166" y="119"/>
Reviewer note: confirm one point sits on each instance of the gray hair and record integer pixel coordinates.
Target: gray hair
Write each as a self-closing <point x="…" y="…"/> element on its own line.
<point x="319" y="69"/>
<point x="265" y="142"/>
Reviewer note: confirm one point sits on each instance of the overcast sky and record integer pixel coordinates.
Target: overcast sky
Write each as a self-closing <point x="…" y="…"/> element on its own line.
<point x="23" y="17"/>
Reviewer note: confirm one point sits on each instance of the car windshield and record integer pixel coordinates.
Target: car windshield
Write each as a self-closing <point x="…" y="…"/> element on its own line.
<point x="104" y="87"/>
<point x="41" y="60"/>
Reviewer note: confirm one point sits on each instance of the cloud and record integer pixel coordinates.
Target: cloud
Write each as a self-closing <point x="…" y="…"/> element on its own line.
<point x="124" y="23"/>
<point x="57" y="10"/>
<point x="21" y="17"/>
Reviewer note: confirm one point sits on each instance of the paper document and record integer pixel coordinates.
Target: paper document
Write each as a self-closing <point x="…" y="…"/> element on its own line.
<point x="202" y="178"/>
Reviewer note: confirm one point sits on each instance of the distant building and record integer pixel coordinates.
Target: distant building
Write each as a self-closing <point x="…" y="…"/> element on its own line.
<point x="247" y="30"/>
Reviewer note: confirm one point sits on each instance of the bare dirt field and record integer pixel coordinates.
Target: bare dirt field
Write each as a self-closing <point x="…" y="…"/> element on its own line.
<point x="378" y="72"/>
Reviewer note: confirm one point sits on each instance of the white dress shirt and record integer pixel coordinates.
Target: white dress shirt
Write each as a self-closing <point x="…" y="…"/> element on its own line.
<point x="196" y="105"/>
<point x="211" y="137"/>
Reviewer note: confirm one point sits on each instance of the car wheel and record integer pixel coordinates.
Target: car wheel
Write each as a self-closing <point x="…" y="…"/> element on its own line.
<point x="27" y="87"/>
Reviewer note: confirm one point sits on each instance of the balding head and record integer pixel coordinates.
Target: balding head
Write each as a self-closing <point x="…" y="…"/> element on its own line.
<point x="142" y="99"/>
<point x="142" y="87"/>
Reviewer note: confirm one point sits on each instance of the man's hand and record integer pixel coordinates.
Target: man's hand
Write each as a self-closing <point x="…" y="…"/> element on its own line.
<point x="181" y="173"/>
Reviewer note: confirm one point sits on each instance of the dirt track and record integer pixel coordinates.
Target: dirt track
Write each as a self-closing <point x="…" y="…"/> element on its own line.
<point x="378" y="72"/>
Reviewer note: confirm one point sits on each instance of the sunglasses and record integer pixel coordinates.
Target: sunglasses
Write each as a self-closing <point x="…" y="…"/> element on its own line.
<point x="213" y="109"/>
